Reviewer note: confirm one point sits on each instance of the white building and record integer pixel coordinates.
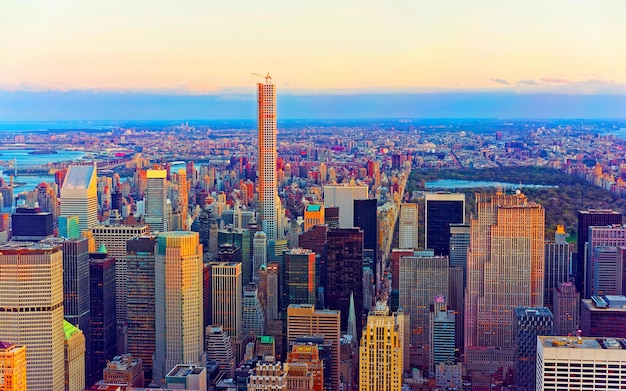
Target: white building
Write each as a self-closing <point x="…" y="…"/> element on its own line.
<point x="268" y="195"/>
<point x="408" y="227"/>
<point x="584" y="363"/>
<point x="343" y="196"/>
<point x="79" y="195"/>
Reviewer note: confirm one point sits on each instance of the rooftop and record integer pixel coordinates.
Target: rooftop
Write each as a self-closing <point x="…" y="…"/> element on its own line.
<point x="79" y="176"/>
<point x="313" y="208"/>
<point x="583" y="342"/>
<point x="69" y="329"/>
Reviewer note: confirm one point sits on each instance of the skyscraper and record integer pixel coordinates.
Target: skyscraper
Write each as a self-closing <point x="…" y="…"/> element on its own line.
<point x="114" y="238"/>
<point x="365" y="217"/>
<point x="408" y="228"/>
<point x="156" y="200"/>
<point x="566" y="311"/>
<point x="76" y="289"/>
<point x="421" y="280"/>
<point x="102" y="308"/>
<point x="459" y="242"/>
<point x="344" y="269"/>
<point x="268" y="195"/>
<point x="441" y="210"/>
<point x="300" y="277"/>
<point x="586" y="219"/>
<point x="259" y="257"/>
<point x="79" y="195"/>
<point x="381" y="351"/>
<point x="252" y="317"/>
<point x="602" y="272"/>
<point x="556" y="267"/>
<point x="31" y="298"/>
<point x="442" y="334"/>
<point x="504" y="270"/>
<point x="178" y="302"/>
<point x="530" y="323"/>
<point x="141" y="306"/>
<point x="226" y="297"/>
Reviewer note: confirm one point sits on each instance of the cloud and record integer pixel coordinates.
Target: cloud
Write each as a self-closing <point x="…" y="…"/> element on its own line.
<point x="500" y="81"/>
<point x="554" y="80"/>
<point x="528" y="82"/>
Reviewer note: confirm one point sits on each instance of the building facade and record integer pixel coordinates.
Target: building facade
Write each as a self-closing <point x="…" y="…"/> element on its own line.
<point x="226" y="297"/>
<point x="178" y="302"/>
<point x="441" y="210"/>
<point x="31" y="296"/>
<point x="381" y="352"/>
<point x="505" y="269"/>
<point x="268" y="195"/>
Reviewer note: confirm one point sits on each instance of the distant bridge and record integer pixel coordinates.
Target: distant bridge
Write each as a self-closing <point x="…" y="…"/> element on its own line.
<point x="11" y="167"/>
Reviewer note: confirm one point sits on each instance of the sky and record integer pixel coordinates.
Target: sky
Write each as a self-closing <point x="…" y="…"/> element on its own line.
<point x="75" y="51"/>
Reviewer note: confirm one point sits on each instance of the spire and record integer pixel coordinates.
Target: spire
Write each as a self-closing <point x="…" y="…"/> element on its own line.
<point x="102" y="249"/>
<point x="352" y="317"/>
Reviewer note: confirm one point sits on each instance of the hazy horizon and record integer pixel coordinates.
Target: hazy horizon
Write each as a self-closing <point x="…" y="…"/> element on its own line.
<point x="77" y="105"/>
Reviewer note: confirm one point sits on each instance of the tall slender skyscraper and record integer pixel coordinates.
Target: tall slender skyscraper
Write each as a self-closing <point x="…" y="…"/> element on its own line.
<point x="31" y="298"/>
<point x="505" y="269"/>
<point x="178" y="302"/>
<point x="268" y="195"/>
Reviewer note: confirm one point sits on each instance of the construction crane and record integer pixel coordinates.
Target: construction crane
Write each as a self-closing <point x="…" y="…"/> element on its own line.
<point x="267" y="77"/>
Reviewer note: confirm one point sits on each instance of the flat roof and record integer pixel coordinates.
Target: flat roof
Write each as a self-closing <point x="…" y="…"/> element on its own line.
<point x="583" y="343"/>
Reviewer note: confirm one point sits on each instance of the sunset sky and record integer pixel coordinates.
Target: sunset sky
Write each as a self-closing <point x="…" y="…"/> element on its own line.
<point x="314" y="47"/>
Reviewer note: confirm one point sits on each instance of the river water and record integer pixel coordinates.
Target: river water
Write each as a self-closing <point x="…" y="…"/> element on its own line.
<point x="29" y="182"/>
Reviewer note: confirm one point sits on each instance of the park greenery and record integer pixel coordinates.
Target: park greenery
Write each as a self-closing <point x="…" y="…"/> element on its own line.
<point x="562" y="201"/>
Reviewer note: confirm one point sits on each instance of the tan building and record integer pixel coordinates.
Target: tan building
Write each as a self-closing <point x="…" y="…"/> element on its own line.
<point x="13" y="363"/>
<point x="381" y="352"/>
<point x="305" y="320"/>
<point x="178" y="302"/>
<point x="504" y="270"/>
<point x="74" y="357"/>
<point x="31" y="295"/>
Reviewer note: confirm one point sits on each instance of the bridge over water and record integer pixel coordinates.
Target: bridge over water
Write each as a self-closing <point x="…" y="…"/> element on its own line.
<point x="11" y="167"/>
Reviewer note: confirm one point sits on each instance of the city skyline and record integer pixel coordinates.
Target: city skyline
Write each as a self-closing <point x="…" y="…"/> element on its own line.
<point x="134" y="60"/>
